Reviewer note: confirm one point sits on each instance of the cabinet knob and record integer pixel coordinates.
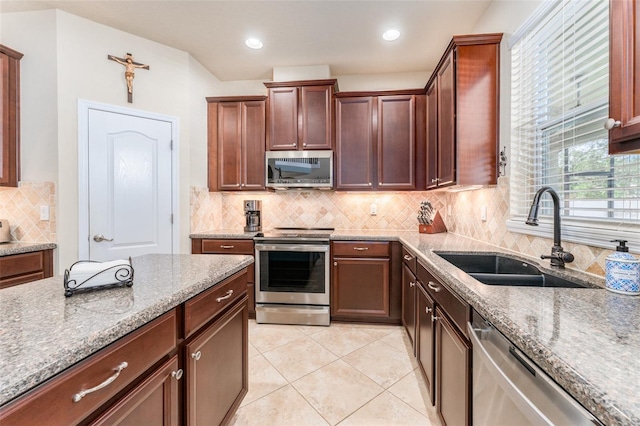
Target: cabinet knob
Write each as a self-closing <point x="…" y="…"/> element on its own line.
<point x="428" y="310"/>
<point x="435" y="180"/>
<point x="407" y="257"/>
<point x="434" y="318"/>
<point x="335" y="263"/>
<point x="612" y="124"/>
<point x="196" y="355"/>
<point x="412" y="284"/>
<point x="242" y="184"/>
<point x="177" y="374"/>
<point x="370" y="184"/>
<point x="304" y="144"/>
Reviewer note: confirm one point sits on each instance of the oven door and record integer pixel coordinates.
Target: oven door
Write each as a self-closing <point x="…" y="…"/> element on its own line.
<point x="292" y="273"/>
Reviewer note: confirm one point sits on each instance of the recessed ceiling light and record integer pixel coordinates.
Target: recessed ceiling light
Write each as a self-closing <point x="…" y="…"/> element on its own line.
<point x="391" y="35"/>
<point x="253" y="43"/>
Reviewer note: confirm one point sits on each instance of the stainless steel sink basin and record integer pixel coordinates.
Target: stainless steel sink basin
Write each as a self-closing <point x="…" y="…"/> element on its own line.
<point x="494" y="269"/>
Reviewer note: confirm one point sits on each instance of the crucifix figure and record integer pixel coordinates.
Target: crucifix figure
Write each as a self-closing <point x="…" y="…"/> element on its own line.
<point x="129" y="67"/>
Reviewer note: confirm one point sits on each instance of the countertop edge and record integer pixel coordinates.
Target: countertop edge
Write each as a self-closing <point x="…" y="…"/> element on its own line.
<point x="15" y="247"/>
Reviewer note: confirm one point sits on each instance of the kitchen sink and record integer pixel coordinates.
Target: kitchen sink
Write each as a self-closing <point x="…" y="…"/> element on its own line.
<point x="502" y="270"/>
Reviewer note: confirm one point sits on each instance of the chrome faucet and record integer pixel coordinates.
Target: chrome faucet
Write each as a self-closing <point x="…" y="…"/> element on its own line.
<point x="558" y="256"/>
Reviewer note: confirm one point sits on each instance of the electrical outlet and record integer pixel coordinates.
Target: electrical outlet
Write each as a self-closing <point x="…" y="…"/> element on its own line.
<point x="449" y="210"/>
<point x="373" y="209"/>
<point x="483" y="213"/>
<point x="44" y="212"/>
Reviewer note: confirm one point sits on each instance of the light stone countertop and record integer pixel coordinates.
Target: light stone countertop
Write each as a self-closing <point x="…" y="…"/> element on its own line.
<point x="588" y="339"/>
<point x="7" y="249"/>
<point x="42" y="332"/>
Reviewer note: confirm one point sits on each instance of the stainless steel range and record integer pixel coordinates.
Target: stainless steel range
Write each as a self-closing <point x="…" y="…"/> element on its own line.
<point x="292" y="276"/>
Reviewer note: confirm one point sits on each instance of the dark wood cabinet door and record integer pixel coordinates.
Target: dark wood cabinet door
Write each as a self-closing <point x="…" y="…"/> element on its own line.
<point x="253" y="145"/>
<point x="432" y="136"/>
<point x="315" y="109"/>
<point x="154" y="402"/>
<point x="9" y="116"/>
<point x="425" y="339"/>
<point x="409" y="302"/>
<point x="282" y="129"/>
<point x="229" y="145"/>
<point x="396" y="142"/>
<point x="216" y="367"/>
<point x="624" y="76"/>
<point x="446" y="127"/>
<point x="360" y="287"/>
<point x="354" y="143"/>
<point x="453" y="355"/>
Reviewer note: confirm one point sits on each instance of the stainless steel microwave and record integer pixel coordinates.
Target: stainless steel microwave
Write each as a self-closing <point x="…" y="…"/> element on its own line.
<point x="299" y="169"/>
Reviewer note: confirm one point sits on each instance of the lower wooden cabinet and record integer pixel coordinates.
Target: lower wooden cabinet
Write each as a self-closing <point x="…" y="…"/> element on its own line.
<point x="425" y="339"/>
<point x="25" y="267"/>
<point x="216" y="367"/>
<point x="409" y="282"/>
<point x="453" y="356"/>
<point x="152" y="402"/>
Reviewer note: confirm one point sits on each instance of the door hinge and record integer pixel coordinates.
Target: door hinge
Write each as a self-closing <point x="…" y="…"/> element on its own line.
<point x="172" y="218"/>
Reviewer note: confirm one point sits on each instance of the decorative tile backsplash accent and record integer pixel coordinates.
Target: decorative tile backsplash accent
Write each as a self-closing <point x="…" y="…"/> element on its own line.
<point x="21" y="206"/>
<point x="396" y="210"/>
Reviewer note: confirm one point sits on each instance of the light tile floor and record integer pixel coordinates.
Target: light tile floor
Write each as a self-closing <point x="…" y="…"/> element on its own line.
<point x="345" y="374"/>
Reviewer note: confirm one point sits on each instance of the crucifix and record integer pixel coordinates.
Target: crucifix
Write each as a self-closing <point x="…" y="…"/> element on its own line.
<point x="129" y="66"/>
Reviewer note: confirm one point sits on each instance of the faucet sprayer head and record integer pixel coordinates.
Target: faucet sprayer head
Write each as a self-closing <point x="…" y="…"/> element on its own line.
<point x="532" y="219"/>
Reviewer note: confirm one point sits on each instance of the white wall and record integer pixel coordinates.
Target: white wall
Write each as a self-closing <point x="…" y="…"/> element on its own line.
<point x="67" y="61"/>
<point x="39" y="117"/>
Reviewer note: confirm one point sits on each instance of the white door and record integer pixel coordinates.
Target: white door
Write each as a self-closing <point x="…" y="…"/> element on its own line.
<point x="130" y="185"/>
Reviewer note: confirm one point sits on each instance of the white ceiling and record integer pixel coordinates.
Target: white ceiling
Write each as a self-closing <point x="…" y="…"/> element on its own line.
<point x="346" y="35"/>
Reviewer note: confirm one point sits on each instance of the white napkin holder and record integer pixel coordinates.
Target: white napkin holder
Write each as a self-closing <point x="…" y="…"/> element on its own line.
<point x="90" y="275"/>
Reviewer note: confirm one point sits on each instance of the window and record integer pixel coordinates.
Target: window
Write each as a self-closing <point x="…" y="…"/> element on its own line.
<point x="560" y="93"/>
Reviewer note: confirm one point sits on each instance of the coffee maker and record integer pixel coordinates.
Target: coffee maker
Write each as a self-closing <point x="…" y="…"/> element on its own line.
<point x="252" y="215"/>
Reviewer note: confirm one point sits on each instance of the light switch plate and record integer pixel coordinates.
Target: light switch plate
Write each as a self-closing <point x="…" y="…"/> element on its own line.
<point x="373" y="209"/>
<point x="483" y="213"/>
<point x="44" y="212"/>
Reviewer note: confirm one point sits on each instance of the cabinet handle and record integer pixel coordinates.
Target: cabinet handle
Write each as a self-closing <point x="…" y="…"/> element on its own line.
<point x="177" y="374"/>
<point x="77" y="397"/>
<point x="433" y="286"/>
<point x="434" y="318"/>
<point x="226" y="296"/>
<point x="407" y="257"/>
<point x="428" y="310"/>
<point x="612" y="124"/>
<point x="196" y="355"/>
<point x="227" y="247"/>
<point x="412" y="283"/>
<point x="361" y="248"/>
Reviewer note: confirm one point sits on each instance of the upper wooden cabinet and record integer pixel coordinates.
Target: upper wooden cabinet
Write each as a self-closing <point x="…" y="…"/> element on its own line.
<point x="624" y="76"/>
<point x="236" y="143"/>
<point x="378" y="138"/>
<point x="462" y="113"/>
<point x="299" y="115"/>
<point x="10" y="116"/>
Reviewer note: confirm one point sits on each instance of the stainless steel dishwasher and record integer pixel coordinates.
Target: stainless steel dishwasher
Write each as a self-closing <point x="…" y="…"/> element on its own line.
<point x="509" y="389"/>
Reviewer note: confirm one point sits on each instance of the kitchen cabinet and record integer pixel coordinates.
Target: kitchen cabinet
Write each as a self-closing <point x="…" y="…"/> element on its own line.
<point x="231" y="246"/>
<point x="153" y="402"/>
<point x="216" y="370"/>
<point x="624" y="76"/>
<point x="300" y="115"/>
<point x="236" y="143"/>
<point x="10" y="116"/>
<point x="365" y="281"/>
<point x="379" y="140"/>
<point x="443" y="348"/>
<point x="462" y="117"/>
<point x="188" y="366"/>
<point x="25" y="267"/>
<point x="409" y="288"/>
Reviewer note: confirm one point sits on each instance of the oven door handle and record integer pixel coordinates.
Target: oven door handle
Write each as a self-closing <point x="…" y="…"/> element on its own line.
<point x="292" y="247"/>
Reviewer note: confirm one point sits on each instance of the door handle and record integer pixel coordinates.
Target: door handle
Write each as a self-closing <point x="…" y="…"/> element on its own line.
<point x="98" y="238"/>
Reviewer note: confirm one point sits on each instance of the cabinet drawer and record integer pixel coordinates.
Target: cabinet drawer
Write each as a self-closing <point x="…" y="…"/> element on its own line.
<point x="227" y="246"/>
<point x="19" y="264"/>
<point x="53" y="402"/>
<point x="458" y="310"/>
<point x="361" y="248"/>
<point x="203" y="307"/>
<point x="409" y="260"/>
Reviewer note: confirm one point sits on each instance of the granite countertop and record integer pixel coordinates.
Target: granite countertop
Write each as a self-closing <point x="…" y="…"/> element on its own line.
<point x="7" y="249"/>
<point x="42" y="332"/>
<point x="586" y="339"/>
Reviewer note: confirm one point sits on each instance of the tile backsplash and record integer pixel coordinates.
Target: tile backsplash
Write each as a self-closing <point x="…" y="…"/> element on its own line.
<point x="21" y="206"/>
<point x="395" y="210"/>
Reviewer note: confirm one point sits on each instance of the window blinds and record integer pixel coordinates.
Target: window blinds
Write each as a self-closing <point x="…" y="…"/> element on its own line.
<point x="560" y="91"/>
